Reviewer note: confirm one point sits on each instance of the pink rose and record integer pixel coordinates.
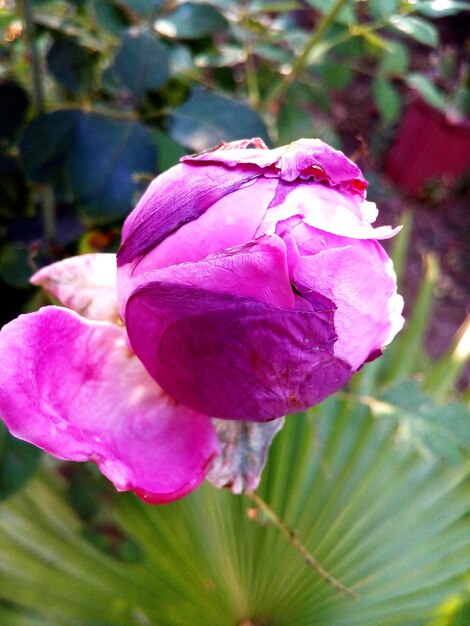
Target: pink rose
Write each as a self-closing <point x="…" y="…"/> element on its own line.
<point x="251" y="285"/>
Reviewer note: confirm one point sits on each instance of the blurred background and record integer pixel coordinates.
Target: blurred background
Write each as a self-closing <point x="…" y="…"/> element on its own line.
<point x="99" y="96"/>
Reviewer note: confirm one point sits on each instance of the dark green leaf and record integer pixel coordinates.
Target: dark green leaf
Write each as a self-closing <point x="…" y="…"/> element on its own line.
<point x="207" y="118"/>
<point x="417" y="28"/>
<point x="387" y="99"/>
<point x="14" y="102"/>
<point x="110" y="162"/>
<point x="46" y="143"/>
<point x="192" y="21"/>
<point x="293" y="122"/>
<point x="143" y="8"/>
<point x="110" y="17"/>
<point x="383" y="8"/>
<point x="440" y="8"/>
<point x="18" y="461"/>
<point x="70" y="64"/>
<point x="395" y="60"/>
<point x="335" y="75"/>
<point x="142" y="62"/>
<point x="168" y="150"/>
<point x="434" y="429"/>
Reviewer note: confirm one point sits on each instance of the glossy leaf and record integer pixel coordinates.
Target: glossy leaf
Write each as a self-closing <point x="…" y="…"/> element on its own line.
<point x="143" y="8"/>
<point x="105" y="164"/>
<point x="441" y="8"/>
<point x="142" y="62"/>
<point x="70" y="64"/>
<point x="427" y="90"/>
<point x="192" y="20"/>
<point x="387" y="99"/>
<point x="110" y="16"/>
<point x="207" y="118"/>
<point x="415" y="27"/>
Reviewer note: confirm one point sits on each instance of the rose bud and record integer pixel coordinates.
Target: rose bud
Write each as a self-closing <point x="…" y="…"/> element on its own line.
<point x="251" y="281"/>
<point x="251" y="285"/>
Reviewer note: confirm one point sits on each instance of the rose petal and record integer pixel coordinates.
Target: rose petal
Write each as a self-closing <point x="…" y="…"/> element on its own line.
<point x="258" y="269"/>
<point x="324" y="208"/>
<point x="305" y="158"/>
<point x="234" y="357"/>
<point x="86" y="284"/>
<point x="360" y="280"/>
<point x="71" y="387"/>
<point x="173" y="199"/>
<point x="230" y="222"/>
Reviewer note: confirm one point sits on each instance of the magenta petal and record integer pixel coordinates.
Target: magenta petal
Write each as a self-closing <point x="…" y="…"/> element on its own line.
<point x="174" y="198"/>
<point x="258" y="270"/>
<point x="234" y="357"/>
<point x="71" y="387"/>
<point x="360" y="280"/>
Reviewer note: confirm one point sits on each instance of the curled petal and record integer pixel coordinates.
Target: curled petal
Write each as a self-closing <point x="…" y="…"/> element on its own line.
<point x="234" y="357"/>
<point x="73" y="388"/>
<point x="305" y="158"/>
<point x="86" y="284"/>
<point x="324" y="208"/>
<point x="258" y="269"/>
<point x="360" y="280"/>
<point x="230" y="222"/>
<point x="173" y="199"/>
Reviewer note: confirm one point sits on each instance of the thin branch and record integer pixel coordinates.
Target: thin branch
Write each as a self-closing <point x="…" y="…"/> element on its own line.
<point x="295" y="542"/>
<point x="302" y="61"/>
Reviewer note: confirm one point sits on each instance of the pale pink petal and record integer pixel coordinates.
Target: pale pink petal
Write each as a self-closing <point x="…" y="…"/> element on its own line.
<point x="71" y="387"/>
<point x="360" y="280"/>
<point x="86" y="284"/>
<point x="324" y="208"/>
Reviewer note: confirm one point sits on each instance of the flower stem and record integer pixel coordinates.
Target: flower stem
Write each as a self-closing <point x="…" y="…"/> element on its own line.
<point x="295" y="542"/>
<point x="301" y="62"/>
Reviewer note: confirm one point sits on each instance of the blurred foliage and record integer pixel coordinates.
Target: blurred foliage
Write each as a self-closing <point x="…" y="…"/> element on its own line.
<point x="96" y="98"/>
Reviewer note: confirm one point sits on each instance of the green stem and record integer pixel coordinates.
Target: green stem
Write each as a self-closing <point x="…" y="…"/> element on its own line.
<point x="38" y="89"/>
<point x="250" y="69"/>
<point x="46" y="192"/>
<point x="302" y="61"/>
<point x="295" y="542"/>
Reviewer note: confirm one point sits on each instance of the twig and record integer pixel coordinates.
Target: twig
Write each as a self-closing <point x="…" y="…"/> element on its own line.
<point x="295" y="542"/>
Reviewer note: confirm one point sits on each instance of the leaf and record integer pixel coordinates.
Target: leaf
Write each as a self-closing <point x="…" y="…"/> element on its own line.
<point x="14" y="104"/>
<point x="382" y="8"/>
<point x="293" y="122"/>
<point x="15" y="269"/>
<point x="18" y="462"/>
<point x="102" y="166"/>
<point x="70" y="64"/>
<point x="142" y="62"/>
<point x="110" y="16"/>
<point x="192" y="20"/>
<point x="335" y="75"/>
<point x="207" y="118"/>
<point x="104" y="161"/>
<point x="143" y="8"/>
<point x="416" y="28"/>
<point x="244" y="450"/>
<point x="46" y="143"/>
<point x="395" y="59"/>
<point x="442" y="431"/>
<point x="385" y="521"/>
<point x="427" y="90"/>
<point x="387" y="99"/>
<point x="441" y="8"/>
